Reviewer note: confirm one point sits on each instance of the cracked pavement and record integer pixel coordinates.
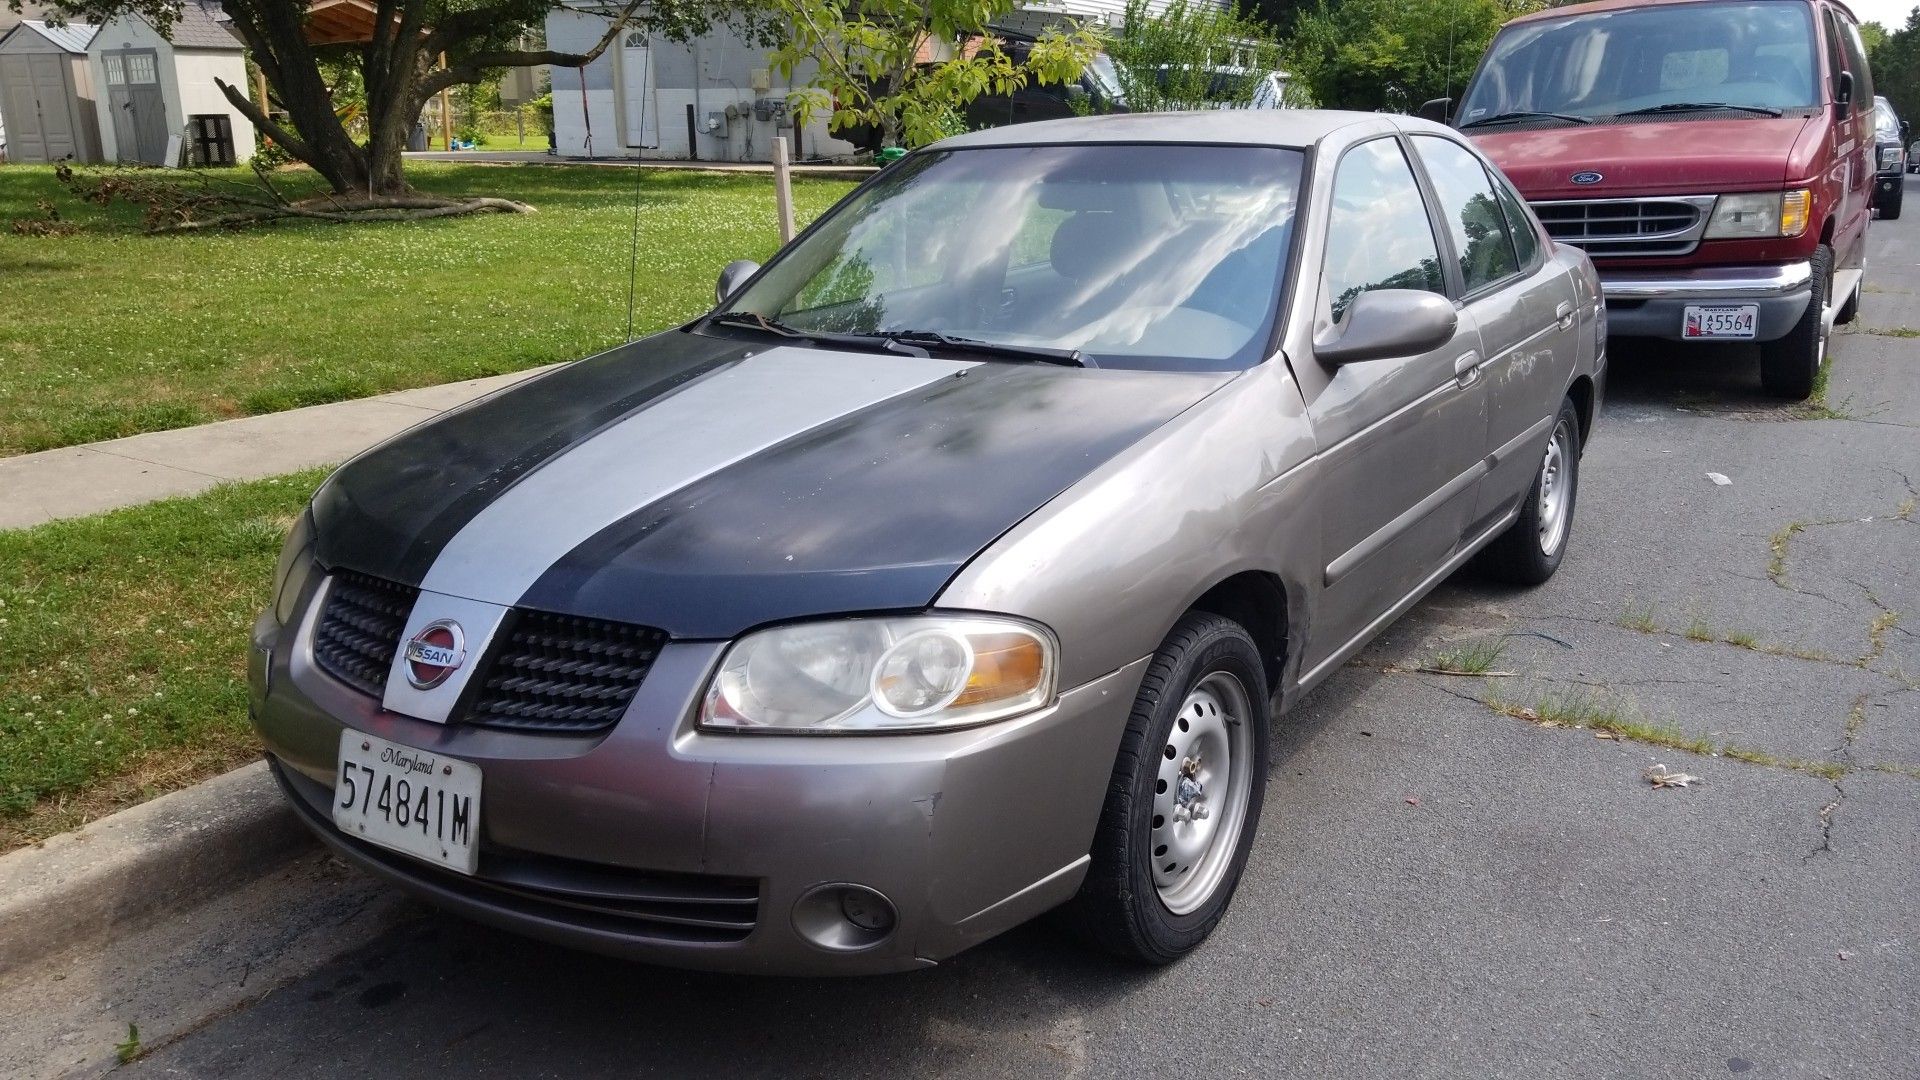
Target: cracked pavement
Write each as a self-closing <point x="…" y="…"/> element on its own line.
<point x="1438" y="889"/>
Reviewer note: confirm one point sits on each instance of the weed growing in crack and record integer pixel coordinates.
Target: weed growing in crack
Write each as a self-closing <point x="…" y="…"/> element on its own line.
<point x="1619" y="720"/>
<point x="1638" y="615"/>
<point x="1471" y="658"/>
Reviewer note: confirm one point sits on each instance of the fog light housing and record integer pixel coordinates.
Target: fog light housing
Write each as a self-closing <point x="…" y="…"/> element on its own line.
<point x="843" y="917"/>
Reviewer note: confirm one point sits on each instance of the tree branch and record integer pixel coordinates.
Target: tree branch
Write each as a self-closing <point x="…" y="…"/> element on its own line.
<point x="260" y="120"/>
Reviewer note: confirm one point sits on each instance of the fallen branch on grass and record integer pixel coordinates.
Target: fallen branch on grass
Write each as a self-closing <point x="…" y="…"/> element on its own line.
<point x="349" y="210"/>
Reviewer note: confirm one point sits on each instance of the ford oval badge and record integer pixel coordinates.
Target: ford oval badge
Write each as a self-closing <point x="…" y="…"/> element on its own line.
<point x="1587" y="178"/>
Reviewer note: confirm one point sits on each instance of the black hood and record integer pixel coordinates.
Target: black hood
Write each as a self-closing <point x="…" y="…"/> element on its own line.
<point x="874" y="506"/>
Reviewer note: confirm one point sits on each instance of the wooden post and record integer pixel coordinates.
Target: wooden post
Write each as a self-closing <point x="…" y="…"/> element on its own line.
<point x="446" y="113"/>
<point x="783" y="187"/>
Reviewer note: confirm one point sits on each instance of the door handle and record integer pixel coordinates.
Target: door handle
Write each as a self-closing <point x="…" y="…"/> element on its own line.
<point x="1466" y="367"/>
<point x="1564" y="313"/>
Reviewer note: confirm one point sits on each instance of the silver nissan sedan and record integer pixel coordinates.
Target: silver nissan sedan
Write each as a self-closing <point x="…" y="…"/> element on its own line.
<point x="952" y="569"/>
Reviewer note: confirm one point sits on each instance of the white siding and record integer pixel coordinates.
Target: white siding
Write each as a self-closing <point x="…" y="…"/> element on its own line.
<point x="708" y="73"/>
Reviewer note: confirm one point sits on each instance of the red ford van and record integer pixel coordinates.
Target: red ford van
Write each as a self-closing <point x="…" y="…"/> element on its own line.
<point x="1714" y="157"/>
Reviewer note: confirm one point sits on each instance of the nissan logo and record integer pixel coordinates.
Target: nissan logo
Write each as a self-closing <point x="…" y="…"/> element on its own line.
<point x="434" y="653"/>
<point x="1587" y="178"/>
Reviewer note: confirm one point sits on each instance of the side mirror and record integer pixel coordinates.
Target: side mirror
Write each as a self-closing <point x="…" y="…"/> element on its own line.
<point x="1843" y="89"/>
<point x="1076" y="92"/>
<point x="1389" y="322"/>
<point x="1906" y="130"/>
<point x="732" y="276"/>
<point x="1439" y="110"/>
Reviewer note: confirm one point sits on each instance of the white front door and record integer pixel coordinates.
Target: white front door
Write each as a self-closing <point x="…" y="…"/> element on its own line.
<point x="636" y="92"/>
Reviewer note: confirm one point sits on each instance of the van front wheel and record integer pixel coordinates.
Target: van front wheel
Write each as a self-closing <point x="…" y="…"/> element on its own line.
<point x="1789" y="366"/>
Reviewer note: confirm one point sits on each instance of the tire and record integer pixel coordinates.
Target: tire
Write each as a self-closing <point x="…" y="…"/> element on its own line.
<point x="1789" y="365"/>
<point x="1530" y="550"/>
<point x="1890" y="208"/>
<point x="1153" y="893"/>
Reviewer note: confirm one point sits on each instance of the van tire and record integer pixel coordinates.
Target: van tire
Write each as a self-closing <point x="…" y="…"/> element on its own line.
<point x="1789" y="366"/>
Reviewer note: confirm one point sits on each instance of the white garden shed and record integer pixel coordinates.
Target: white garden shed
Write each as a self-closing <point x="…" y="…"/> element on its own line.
<point x="153" y="90"/>
<point x="46" y="93"/>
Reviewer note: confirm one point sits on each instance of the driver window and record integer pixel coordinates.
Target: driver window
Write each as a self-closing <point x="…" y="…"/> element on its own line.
<point x="1378" y="233"/>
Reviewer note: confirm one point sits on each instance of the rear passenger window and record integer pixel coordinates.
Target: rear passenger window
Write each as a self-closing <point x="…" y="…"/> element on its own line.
<point x="1526" y="235"/>
<point x="1481" y="240"/>
<point x="1378" y="235"/>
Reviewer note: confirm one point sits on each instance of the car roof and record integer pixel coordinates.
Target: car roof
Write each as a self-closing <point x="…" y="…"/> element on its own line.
<point x="1225" y="127"/>
<point x="1620" y="5"/>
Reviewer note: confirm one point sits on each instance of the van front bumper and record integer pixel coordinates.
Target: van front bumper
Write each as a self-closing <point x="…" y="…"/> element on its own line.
<point x="1653" y="303"/>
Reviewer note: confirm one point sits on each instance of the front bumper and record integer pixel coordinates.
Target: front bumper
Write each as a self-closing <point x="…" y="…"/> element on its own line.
<point x="1652" y="303"/>
<point x="660" y="842"/>
<point x="1887" y="184"/>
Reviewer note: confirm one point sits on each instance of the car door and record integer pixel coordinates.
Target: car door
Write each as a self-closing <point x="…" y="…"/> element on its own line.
<point x="1853" y="142"/>
<point x="1400" y="438"/>
<point x="1525" y="308"/>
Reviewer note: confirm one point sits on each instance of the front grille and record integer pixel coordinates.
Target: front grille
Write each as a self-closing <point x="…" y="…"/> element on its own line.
<point x="635" y="904"/>
<point x="359" y="630"/>
<point x="561" y="673"/>
<point x="1622" y="227"/>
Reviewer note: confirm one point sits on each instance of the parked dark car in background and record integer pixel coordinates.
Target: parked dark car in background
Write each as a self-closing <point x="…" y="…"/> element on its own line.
<point x="943" y="575"/>
<point x="1890" y="159"/>
<point x="1714" y="157"/>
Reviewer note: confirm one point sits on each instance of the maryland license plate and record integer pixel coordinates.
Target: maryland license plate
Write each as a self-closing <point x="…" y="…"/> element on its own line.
<point x="1737" y="321"/>
<point x="414" y="802"/>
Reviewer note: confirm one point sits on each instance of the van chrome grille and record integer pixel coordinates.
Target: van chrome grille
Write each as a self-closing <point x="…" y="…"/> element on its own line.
<point x="359" y="630"/>
<point x="1628" y="227"/>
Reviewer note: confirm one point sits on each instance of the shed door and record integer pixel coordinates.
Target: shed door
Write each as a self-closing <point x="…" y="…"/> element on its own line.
<point x="636" y="91"/>
<point x="37" y="92"/>
<point x="139" y="109"/>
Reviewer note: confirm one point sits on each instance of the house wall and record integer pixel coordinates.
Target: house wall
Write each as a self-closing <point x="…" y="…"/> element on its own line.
<point x="186" y="82"/>
<point x="624" y="85"/>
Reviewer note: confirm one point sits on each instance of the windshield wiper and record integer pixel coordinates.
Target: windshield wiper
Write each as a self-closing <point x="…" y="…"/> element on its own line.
<point x="1515" y="117"/>
<point x="753" y="320"/>
<point x="934" y="339"/>
<point x="1699" y="106"/>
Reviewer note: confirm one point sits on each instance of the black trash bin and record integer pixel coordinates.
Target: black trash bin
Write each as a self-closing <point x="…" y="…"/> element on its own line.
<point x="417" y="138"/>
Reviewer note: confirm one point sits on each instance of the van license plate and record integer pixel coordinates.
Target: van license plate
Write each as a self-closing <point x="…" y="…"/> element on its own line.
<point x="1737" y="321"/>
<point x="414" y="802"/>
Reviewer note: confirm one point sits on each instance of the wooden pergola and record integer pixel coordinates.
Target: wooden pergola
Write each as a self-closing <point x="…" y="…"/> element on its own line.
<point x="340" y="22"/>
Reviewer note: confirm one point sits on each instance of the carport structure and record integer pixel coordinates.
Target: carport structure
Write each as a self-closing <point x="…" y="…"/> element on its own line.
<point x="47" y="93"/>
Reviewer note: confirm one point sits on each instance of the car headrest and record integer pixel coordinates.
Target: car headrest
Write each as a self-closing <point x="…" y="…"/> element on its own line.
<point x="1092" y="243"/>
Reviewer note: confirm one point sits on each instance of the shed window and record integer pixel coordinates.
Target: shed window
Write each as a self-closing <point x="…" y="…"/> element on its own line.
<point x="140" y="68"/>
<point x="116" y="71"/>
<point x="212" y="135"/>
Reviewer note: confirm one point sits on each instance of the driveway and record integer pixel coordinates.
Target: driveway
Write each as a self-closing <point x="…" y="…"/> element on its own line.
<point x="1441" y="887"/>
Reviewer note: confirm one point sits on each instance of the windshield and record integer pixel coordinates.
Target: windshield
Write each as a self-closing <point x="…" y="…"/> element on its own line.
<point x="1886" y="125"/>
<point x="1146" y="256"/>
<point x="1610" y="62"/>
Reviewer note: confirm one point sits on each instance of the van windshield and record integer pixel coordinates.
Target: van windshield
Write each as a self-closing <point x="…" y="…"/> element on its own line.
<point x="1749" y="55"/>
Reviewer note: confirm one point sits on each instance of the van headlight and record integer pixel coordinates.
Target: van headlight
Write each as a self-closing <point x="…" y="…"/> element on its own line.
<point x="1759" y="215"/>
<point x="853" y="676"/>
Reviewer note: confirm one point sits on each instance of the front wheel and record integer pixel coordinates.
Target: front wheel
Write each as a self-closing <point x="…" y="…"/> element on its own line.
<point x="1531" y="549"/>
<point x="1184" y="800"/>
<point x="1789" y="366"/>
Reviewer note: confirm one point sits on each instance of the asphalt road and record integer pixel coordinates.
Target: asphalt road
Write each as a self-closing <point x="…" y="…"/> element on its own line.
<point x="1438" y="888"/>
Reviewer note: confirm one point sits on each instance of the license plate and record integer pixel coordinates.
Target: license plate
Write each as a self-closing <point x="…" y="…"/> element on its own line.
<point x="414" y="802"/>
<point x="1721" y="321"/>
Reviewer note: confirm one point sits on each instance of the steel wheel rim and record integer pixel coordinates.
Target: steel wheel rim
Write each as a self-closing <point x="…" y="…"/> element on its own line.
<point x="1201" y="793"/>
<point x="1556" y="484"/>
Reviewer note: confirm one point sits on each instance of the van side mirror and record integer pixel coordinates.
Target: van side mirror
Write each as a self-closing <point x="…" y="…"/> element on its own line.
<point x="1843" y="89"/>
<point x="1439" y="110"/>
<point x="732" y="276"/>
<point x="1389" y="322"/>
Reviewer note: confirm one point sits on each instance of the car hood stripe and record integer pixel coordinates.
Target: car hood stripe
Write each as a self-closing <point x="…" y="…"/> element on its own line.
<point x="721" y="418"/>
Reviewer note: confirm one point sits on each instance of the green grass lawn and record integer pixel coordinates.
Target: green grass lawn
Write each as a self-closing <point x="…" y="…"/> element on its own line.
<point x="123" y="650"/>
<point x="108" y="332"/>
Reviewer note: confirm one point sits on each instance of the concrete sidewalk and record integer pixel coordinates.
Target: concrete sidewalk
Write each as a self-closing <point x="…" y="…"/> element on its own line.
<point x="76" y="481"/>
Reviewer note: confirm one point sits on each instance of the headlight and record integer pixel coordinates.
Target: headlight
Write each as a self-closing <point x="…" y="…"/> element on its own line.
<point x="296" y="561"/>
<point x="915" y="673"/>
<point x="1760" y="215"/>
<point x="1889" y="158"/>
